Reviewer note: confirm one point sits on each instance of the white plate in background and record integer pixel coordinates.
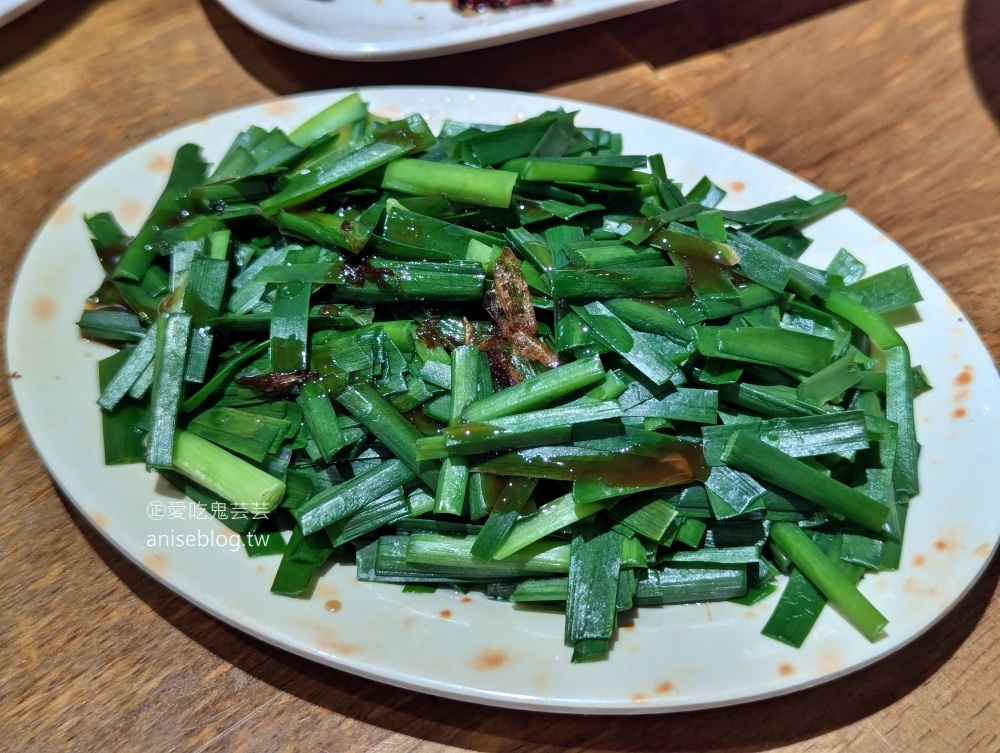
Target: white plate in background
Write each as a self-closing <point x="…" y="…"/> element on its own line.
<point x="411" y="29"/>
<point x="11" y="9"/>
<point x="466" y="647"/>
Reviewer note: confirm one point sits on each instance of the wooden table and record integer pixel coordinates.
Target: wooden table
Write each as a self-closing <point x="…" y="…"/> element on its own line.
<point x="894" y="102"/>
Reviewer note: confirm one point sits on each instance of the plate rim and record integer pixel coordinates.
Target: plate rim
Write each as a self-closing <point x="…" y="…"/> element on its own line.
<point x="439" y="43"/>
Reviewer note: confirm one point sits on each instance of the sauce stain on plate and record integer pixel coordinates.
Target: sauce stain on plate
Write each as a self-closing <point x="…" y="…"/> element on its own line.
<point x="159" y="163"/>
<point x="64" y="214"/>
<point x="962" y="381"/>
<point x="44" y="308"/>
<point x="326" y="590"/>
<point x="130" y="211"/>
<point x="830" y="662"/>
<point x="910" y="586"/>
<point x="328" y="641"/>
<point x="156" y="562"/>
<point x="281" y="107"/>
<point x="489" y="659"/>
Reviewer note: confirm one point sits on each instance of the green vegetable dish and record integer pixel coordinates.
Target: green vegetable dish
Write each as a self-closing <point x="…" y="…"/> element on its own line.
<point x="512" y="359"/>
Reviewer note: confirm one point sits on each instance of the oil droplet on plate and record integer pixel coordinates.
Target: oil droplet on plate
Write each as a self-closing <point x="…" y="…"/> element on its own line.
<point x="332" y="605"/>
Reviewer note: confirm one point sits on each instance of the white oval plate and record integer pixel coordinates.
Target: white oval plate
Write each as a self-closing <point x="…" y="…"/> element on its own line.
<point x="465" y="647"/>
<point x="412" y="29"/>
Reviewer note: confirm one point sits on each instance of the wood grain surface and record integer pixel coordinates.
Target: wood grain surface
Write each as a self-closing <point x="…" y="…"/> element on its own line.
<point x="895" y="102"/>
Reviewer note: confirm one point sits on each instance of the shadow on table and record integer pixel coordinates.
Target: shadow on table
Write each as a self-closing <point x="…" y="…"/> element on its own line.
<point x="40" y="24"/>
<point x="982" y="50"/>
<point x="749" y="727"/>
<point x="657" y="37"/>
